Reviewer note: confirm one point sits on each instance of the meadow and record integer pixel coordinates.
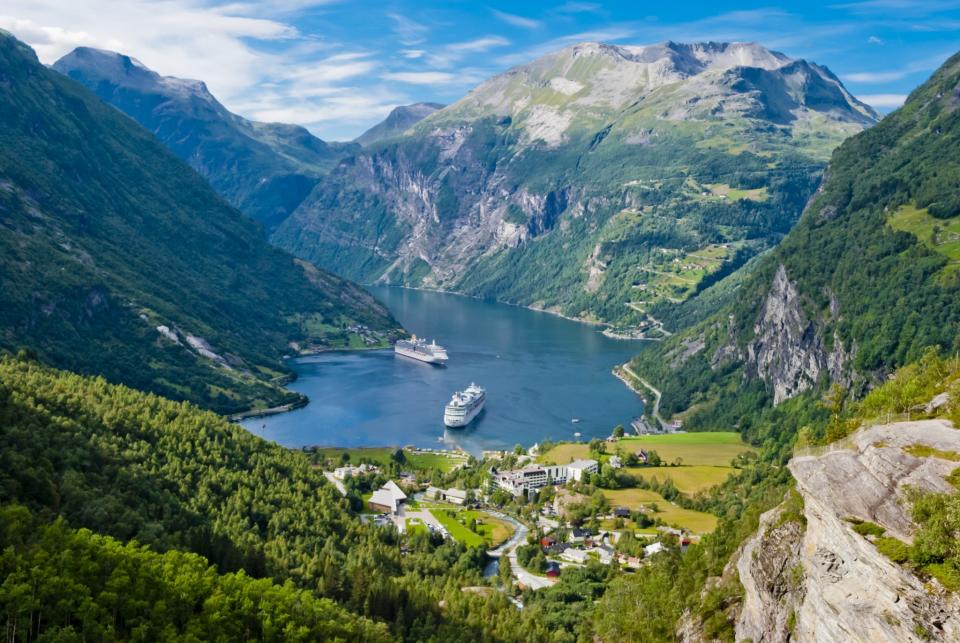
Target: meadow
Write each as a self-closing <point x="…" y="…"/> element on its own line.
<point x="696" y="521"/>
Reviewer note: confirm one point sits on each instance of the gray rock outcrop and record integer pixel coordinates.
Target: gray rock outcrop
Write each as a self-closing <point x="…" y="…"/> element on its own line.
<point x="826" y="583"/>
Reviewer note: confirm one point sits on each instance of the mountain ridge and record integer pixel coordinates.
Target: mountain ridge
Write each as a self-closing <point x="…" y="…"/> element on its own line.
<point x="120" y="260"/>
<point x="263" y="169"/>
<point x="556" y="183"/>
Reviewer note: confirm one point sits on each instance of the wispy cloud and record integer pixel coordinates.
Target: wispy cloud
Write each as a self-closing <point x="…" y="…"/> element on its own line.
<point x="448" y="55"/>
<point x="408" y="31"/>
<point x="926" y="64"/>
<point x="421" y="77"/>
<point x="883" y="100"/>
<point x="874" y="40"/>
<point x="517" y="21"/>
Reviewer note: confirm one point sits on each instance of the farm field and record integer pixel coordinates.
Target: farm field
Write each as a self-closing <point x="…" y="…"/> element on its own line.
<point x="715" y="449"/>
<point x="696" y="521"/>
<point x="940" y="235"/>
<point x="688" y="479"/>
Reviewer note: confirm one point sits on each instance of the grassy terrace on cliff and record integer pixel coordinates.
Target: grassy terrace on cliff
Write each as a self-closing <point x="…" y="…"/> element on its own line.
<point x="118" y="259"/>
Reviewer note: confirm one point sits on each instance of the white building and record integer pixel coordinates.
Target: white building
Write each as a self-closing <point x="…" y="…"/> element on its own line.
<point x="575" y="555"/>
<point x="535" y="476"/>
<point x="341" y="473"/>
<point x="655" y="548"/>
<point x="577" y="468"/>
<point x="389" y="497"/>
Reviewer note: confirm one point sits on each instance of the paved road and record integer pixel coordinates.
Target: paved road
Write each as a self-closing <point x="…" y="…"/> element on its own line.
<point x="336" y="483"/>
<point x="509" y="549"/>
<point x="656" y="397"/>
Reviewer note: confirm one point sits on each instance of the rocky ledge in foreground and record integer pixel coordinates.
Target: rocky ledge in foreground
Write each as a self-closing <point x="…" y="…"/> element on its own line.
<point x="825" y="582"/>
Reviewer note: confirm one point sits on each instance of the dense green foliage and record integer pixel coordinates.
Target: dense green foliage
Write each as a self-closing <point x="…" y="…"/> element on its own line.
<point x="105" y="235"/>
<point x="64" y="584"/>
<point x="136" y="466"/>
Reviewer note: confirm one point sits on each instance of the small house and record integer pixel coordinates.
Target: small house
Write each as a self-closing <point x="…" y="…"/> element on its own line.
<point x="621" y="512"/>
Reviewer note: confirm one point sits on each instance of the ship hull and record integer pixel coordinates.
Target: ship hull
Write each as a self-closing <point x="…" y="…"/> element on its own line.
<point x="421" y="357"/>
<point x="458" y="421"/>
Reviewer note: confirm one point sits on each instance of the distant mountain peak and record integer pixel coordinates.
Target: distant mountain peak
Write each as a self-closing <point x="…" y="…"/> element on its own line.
<point x="127" y="71"/>
<point x="399" y="120"/>
<point x="587" y="85"/>
<point x="264" y="169"/>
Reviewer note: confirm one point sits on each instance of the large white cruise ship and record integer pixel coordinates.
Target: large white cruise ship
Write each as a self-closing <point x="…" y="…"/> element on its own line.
<point x="464" y="406"/>
<point x="419" y="349"/>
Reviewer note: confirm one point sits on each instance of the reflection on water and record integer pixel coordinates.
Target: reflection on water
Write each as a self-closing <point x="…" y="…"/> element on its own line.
<point x="540" y="373"/>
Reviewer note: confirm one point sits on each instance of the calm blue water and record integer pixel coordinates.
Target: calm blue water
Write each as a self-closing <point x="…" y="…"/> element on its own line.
<point x="540" y="372"/>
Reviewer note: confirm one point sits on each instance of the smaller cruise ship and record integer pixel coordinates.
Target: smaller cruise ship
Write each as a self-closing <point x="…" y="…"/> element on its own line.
<point x="419" y="349"/>
<point x="464" y="406"/>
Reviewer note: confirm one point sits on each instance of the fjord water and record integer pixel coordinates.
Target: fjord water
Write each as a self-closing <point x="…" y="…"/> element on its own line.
<point x="540" y="372"/>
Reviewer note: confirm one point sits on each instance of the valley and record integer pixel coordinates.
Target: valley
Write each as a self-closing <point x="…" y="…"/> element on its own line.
<point x="711" y="295"/>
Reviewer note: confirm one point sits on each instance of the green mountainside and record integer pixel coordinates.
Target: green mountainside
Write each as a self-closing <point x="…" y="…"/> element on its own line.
<point x="599" y="181"/>
<point x="118" y="259"/>
<point x="263" y="169"/>
<point x="866" y="281"/>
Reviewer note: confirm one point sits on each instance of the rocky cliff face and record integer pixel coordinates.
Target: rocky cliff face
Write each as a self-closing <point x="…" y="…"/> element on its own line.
<point x="821" y="581"/>
<point x="660" y="155"/>
<point x="788" y="351"/>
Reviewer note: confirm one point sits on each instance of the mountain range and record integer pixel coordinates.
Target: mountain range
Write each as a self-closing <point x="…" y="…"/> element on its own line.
<point x="119" y="260"/>
<point x="817" y="312"/>
<point x="602" y="182"/>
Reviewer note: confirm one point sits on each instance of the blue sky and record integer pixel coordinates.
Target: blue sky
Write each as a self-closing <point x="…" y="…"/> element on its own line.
<point x="340" y="66"/>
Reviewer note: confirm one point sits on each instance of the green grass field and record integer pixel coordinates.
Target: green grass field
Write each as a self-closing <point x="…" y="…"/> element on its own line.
<point x="492" y="531"/>
<point x="689" y="479"/>
<point x="713" y="449"/>
<point x="941" y="235"/>
<point x="696" y="521"/>
<point x="716" y="449"/>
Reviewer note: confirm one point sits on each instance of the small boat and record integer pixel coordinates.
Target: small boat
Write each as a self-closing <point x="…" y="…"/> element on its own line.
<point x="575" y="420"/>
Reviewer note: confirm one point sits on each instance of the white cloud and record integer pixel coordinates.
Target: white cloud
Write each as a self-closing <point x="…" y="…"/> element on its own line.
<point x="408" y="31"/>
<point x="517" y="21"/>
<point x="450" y="54"/>
<point x="874" y="40"/>
<point x="874" y="76"/>
<point x="413" y="54"/>
<point x="421" y="77"/>
<point x="883" y="100"/>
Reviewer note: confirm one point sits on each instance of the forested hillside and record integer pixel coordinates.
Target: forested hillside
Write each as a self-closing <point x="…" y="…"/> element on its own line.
<point x="263" y="169"/>
<point x="135" y="466"/>
<point x="868" y="279"/>
<point x="118" y="259"/>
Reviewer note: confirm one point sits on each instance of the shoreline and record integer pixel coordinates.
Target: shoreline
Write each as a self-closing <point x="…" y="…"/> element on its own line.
<point x="532" y="307"/>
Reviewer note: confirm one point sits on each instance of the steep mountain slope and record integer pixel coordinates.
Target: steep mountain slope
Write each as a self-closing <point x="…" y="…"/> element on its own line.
<point x="263" y="169"/>
<point x="118" y="259"/>
<point x="866" y="281"/>
<point x="398" y="121"/>
<point x="600" y="181"/>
